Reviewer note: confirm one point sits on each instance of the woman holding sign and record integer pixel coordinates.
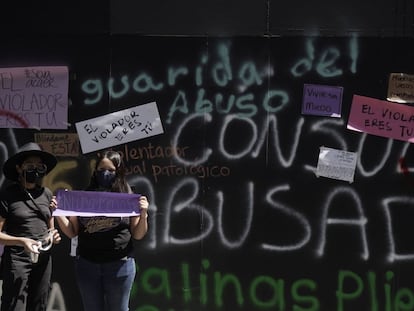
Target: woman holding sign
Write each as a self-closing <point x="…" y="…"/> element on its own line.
<point x="104" y="266"/>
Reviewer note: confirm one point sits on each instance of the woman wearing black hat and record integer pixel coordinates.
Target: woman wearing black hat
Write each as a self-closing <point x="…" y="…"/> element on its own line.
<point x="27" y="230"/>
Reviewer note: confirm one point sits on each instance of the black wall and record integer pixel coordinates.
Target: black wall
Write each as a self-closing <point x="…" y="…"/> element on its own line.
<point x="212" y="18"/>
<point x="239" y="221"/>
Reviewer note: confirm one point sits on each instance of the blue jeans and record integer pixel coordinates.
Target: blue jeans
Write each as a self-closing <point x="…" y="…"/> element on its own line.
<point x="105" y="286"/>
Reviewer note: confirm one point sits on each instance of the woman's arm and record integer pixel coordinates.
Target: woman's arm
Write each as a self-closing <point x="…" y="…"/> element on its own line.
<point x="56" y="235"/>
<point x="68" y="225"/>
<point x="10" y="240"/>
<point x="139" y="224"/>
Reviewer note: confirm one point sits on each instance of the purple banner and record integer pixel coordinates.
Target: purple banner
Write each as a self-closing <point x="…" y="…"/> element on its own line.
<point x="95" y="203"/>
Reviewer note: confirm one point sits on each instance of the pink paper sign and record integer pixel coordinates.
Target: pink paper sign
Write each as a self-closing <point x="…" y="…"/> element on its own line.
<point x="34" y="97"/>
<point x="382" y="118"/>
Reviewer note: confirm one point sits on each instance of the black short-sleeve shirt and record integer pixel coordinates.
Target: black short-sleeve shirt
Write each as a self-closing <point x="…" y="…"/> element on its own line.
<point x="23" y="217"/>
<point x="104" y="239"/>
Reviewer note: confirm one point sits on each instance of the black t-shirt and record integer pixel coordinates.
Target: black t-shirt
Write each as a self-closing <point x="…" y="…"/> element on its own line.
<point x="23" y="217"/>
<point x="104" y="239"/>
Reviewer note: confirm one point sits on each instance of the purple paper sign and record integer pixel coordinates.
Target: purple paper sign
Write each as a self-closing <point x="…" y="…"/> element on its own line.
<point x="322" y="100"/>
<point x="96" y="203"/>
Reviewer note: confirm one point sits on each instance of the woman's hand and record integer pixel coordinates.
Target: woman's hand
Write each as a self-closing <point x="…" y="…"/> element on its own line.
<point x="139" y="224"/>
<point x="28" y="245"/>
<point x="143" y="205"/>
<point x="53" y="204"/>
<point x="56" y="236"/>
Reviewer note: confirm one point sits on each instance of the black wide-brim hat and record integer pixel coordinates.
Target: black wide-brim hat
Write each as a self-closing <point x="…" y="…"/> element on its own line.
<point x="27" y="150"/>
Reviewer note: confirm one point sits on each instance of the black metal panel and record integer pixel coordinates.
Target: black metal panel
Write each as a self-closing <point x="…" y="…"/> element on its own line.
<point x="54" y="17"/>
<point x="189" y="17"/>
<point x="262" y="18"/>
<point x="209" y="18"/>
<point x="325" y="17"/>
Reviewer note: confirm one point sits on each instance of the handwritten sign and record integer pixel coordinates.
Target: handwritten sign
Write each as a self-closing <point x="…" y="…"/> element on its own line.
<point x="401" y="88"/>
<point x="34" y="97"/>
<point x="119" y="127"/>
<point x="336" y="164"/>
<point x="59" y="144"/>
<point x="382" y="118"/>
<point x="96" y="203"/>
<point x="322" y="100"/>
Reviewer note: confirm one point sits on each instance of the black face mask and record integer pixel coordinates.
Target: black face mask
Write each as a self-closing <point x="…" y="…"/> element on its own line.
<point x="33" y="176"/>
<point x="105" y="178"/>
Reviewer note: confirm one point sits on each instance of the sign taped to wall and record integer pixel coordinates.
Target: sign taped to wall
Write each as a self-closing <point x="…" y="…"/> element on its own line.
<point x="59" y="144"/>
<point x="336" y="164"/>
<point x="322" y="100"/>
<point x="34" y="97"/>
<point x="401" y="88"/>
<point x="382" y="118"/>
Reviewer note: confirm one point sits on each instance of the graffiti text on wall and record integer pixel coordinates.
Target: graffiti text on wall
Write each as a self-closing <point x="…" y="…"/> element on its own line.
<point x="217" y="289"/>
<point x="249" y="74"/>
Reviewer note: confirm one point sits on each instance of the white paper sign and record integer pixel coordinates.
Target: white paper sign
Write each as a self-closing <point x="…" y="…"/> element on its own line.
<point x="119" y="127"/>
<point x="336" y="164"/>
